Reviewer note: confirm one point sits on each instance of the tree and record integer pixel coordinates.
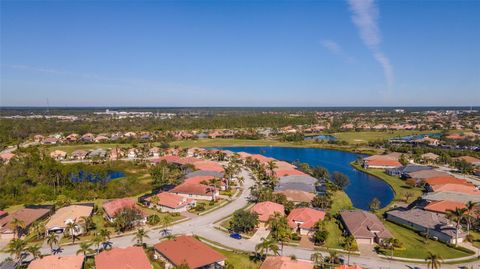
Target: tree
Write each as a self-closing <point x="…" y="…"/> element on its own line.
<point x="16" y="247"/>
<point x="320" y="235"/>
<point x="411" y="182"/>
<point x="88" y="223"/>
<point x="469" y="212"/>
<point x="390" y="244"/>
<point x="321" y="201"/>
<point x="265" y="246"/>
<point x="34" y="250"/>
<point x="105" y="234"/>
<point x="340" y="180"/>
<point x="126" y="217"/>
<point x="72" y="229"/>
<point x="97" y="240"/>
<point x="317" y="259"/>
<point x="153" y="219"/>
<point x="166" y="221"/>
<point x="456" y="216"/>
<point x="140" y="235"/>
<point x="243" y="221"/>
<point x="52" y="240"/>
<point x="434" y="261"/>
<point x="349" y="245"/>
<point x="279" y="229"/>
<point x="408" y="195"/>
<point x="320" y="172"/>
<point x="374" y="204"/>
<point x="85" y="249"/>
<point x="38" y="229"/>
<point x="18" y="225"/>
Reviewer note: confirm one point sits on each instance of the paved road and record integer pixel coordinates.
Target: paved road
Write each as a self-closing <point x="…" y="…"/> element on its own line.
<point x="203" y="226"/>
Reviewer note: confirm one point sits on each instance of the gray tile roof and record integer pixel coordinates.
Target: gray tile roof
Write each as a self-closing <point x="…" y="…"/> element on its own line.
<point x="363" y="224"/>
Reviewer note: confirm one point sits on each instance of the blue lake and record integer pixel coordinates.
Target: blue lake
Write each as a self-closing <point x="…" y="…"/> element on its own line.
<point x="321" y="137"/>
<point x="362" y="188"/>
<point x="94" y="178"/>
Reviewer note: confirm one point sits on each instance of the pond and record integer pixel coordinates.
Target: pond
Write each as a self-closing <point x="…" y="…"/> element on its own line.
<point x="321" y="137"/>
<point x="95" y="178"/>
<point x="362" y="188"/>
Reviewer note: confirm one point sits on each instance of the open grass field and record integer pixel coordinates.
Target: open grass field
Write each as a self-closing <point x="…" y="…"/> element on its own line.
<point x="399" y="187"/>
<point x="416" y="246"/>
<point x="239" y="259"/>
<point x="365" y="137"/>
<point x="335" y="238"/>
<point x="69" y="148"/>
<point x="340" y="201"/>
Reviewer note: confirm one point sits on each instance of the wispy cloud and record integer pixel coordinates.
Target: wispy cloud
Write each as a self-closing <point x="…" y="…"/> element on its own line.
<point x="336" y="49"/>
<point x="365" y="17"/>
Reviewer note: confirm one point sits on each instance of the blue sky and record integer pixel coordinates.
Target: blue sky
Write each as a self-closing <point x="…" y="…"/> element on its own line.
<point x="235" y="53"/>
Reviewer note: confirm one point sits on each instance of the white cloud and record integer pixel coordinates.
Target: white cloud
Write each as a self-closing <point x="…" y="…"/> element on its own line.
<point x="365" y="17"/>
<point x="335" y="49"/>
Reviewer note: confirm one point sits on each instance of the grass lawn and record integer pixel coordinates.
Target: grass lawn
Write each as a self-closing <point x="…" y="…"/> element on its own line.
<point x="476" y="239"/>
<point x="340" y="201"/>
<point x="365" y="137"/>
<point x="414" y="245"/>
<point x="239" y="259"/>
<point x="399" y="187"/>
<point x="69" y="148"/>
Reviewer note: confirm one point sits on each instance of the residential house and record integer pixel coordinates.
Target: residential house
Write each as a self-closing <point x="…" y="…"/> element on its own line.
<point x="154" y="152"/>
<point x="346" y="266"/>
<point x="132" y="153"/>
<point x="196" y="191"/>
<point x="123" y="258"/>
<point x="58" y="155"/>
<point x="436" y="183"/>
<point x="421" y="176"/>
<point x="469" y="159"/>
<point x="71" y="138"/>
<point x="297" y="196"/>
<point x="284" y="262"/>
<point x="186" y="250"/>
<point x="427" y="222"/>
<point x="170" y="202"/>
<point x="206" y="165"/>
<point x="114" y="207"/>
<point x="267" y="209"/>
<point x="364" y="226"/>
<point x="381" y="162"/>
<point x="101" y="138"/>
<point x="443" y="206"/>
<point x="204" y="173"/>
<point x="303" y="220"/>
<point x="38" y="138"/>
<point x="58" y="262"/>
<point x="403" y="171"/>
<point x="206" y="180"/>
<point x="50" y="141"/>
<point x="70" y="214"/>
<point x="79" y="154"/>
<point x="302" y="183"/>
<point x="88" y="137"/>
<point x="116" y="153"/>
<point x="6" y="157"/>
<point x="97" y="154"/>
<point x="26" y="215"/>
<point x="430" y="157"/>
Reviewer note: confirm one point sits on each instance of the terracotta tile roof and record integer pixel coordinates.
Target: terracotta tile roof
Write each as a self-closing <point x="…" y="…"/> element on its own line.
<point x="27" y="215"/>
<point x="362" y="224"/>
<point x="244" y="155"/>
<point x="123" y="258"/>
<point x="470" y="159"/>
<point x="192" y="188"/>
<point x="172" y="200"/>
<point x="3" y="213"/>
<point x="261" y="158"/>
<point x="199" y="179"/>
<point x="425" y="174"/>
<point x="297" y="195"/>
<point x="189" y="160"/>
<point x="383" y="162"/>
<point x="304" y="217"/>
<point x="188" y="250"/>
<point x="284" y="165"/>
<point x="443" y="206"/>
<point x="113" y="206"/>
<point x="267" y="209"/>
<point x="283" y="262"/>
<point x="7" y="156"/>
<point x="449" y="187"/>
<point x="71" y="212"/>
<point x="446" y="180"/>
<point x="288" y="172"/>
<point x="57" y="262"/>
<point x="208" y="166"/>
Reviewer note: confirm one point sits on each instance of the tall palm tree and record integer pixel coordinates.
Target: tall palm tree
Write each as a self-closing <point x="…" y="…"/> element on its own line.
<point x="17" y="225"/>
<point x="348" y="245"/>
<point x="85" y="248"/>
<point x="391" y="243"/>
<point x="166" y="221"/>
<point x="34" y="250"/>
<point x="317" y="259"/>
<point x="72" y="230"/>
<point x="267" y="245"/>
<point x="17" y="247"/>
<point x="470" y="207"/>
<point x="456" y="216"/>
<point x="97" y="240"/>
<point x="105" y="234"/>
<point x="52" y="240"/>
<point x="434" y="261"/>
<point x="271" y="166"/>
<point x="140" y="235"/>
<point x="88" y="222"/>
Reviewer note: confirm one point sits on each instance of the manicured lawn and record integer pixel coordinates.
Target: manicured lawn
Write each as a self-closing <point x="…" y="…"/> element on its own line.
<point x="340" y="201"/>
<point x="398" y="185"/>
<point x="239" y="259"/>
<point x="69" y="148"/>
<point x="365" y="137"/>
<point x="416" y="246"/>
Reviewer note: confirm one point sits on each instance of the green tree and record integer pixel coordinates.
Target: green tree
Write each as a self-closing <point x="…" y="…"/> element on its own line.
<point x="243" y="221"/>
<point x="85" y="249"/>
<point x="349" y="246"/>
<point x="52" y="240"/>
<point x="456" y="216"/>
<point x="18" y="225"/>
<point x="434" y="261"/>
<point x="34" y="250"/>
<point x="140" y="235"/>
<point x="340" y="180"/>
<point x="374" y="204"/>
<point x="105" y="234"/>
<point x="16" y="247"/>
<point x="265" y="246"/>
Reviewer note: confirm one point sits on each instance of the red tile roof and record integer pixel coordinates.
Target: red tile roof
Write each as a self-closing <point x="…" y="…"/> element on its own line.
<point x="188" y="250"/>
<point x="192" y="188"/>
<point x="57" y="262"/>
<point x="123" y="258"/>
<point x="297" y="195"/>
<point x="267" y="209"/>
<point x="288" y="172"/>
<point x="450" y="187"/>
<point x="199" y="179"/>
<point x="208" y="166"/>
<point x="446" y="180"/>
<point x="308" y="216"/>
<point x="443" y="206"/>
<point x="283" y="262"/>
<point x="113" y="206"/>
<point x="172" y="200"/>
<point x="383" y="162"/>
<point x="27" y="215"/>
<point x="344" y="266"/>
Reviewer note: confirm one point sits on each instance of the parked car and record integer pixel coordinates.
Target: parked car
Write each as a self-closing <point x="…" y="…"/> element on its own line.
<point x="236" y="236"/>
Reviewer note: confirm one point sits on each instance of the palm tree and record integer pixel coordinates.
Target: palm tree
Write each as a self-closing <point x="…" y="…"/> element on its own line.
<point x="166" y="221"/>
<point x="85" y="248"/>
<point x="279" y="228"/>
<point x="267" y="245"/>
<point x="470" y="207"/>
<point x="72" y="230"/>
<point x="317" y="259"/>
<point x="17" y="225"/>
<point x="17" y="247"/>
<point x="88" y="222"/>
<point x="52" y="239"/>
<point x="391" y="243"/>
<point x="456" y="216"/>
<point x="97" y="240"/>
<point x="433" y="261"/>
<point x="105" y="234"/>
<point x="34" y="250"/>
<point x="38" y="229"/>
<point x="348" y="245"/>
<point x="154" y="200"/>
<point x="140" y="235"/>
